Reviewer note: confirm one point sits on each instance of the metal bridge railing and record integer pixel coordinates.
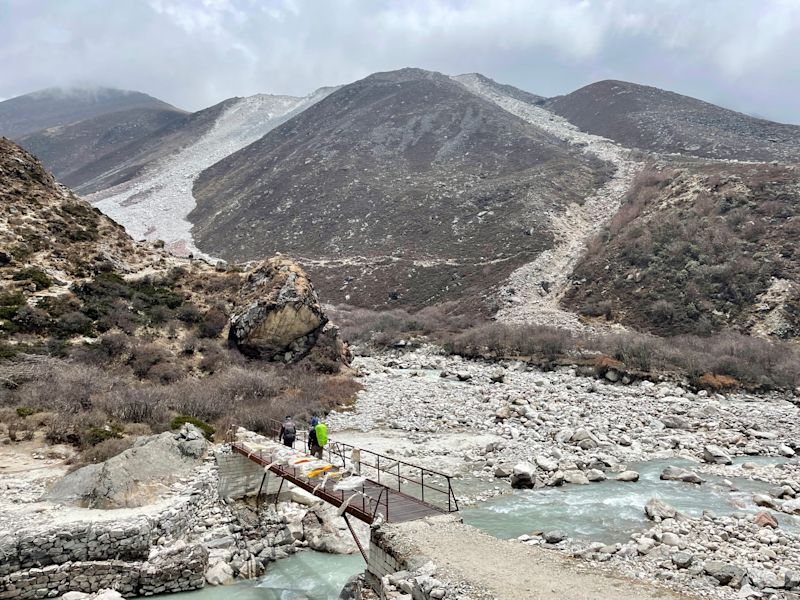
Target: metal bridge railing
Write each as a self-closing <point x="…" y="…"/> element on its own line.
<point x="431" y="487"/>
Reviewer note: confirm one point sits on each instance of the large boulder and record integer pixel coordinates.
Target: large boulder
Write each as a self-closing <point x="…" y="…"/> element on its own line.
<point x="523" y="476"/>
<point x="657" y="510"/>
<point x="136" y="476"/>
<point x="279" y="316"/>
<point x="679" y="474"/>
<point x="716" y="455"/>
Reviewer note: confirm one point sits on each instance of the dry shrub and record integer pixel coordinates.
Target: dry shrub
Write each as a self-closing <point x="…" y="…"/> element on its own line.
<point x="716" y="383"/>
<point x="502" y="340"/>
<point x="102" y="452"/>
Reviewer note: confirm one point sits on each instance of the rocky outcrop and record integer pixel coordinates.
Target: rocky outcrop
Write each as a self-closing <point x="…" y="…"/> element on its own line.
<point x="280" y="316"/>
<point x="137" y="475"/>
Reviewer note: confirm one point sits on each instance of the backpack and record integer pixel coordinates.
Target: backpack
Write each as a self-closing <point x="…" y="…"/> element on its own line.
<point x="289" y="430"/>
<point x="322" y="434"/>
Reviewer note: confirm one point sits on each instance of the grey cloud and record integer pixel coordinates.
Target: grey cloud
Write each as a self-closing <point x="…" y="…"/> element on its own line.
<point x="193" y="53"/>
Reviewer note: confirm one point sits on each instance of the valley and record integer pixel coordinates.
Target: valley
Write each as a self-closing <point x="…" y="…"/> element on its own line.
<point x="583" y="308"/>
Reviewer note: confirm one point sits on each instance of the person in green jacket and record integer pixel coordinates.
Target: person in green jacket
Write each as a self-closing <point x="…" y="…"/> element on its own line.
<point x="320" y="436"/>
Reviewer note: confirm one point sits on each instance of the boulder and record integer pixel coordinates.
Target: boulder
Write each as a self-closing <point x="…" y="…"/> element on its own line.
<point x="679" y="474"/>
<point x="629" y="476"/>
<point x="523" y="476"/>
<point x="546" y="464"/>
<point x="765" y="519"/>
<point x="791" y="507"/>
<point x="502" y="471"/>
<point x="682" y="560"/>
<point x="765" y="501"/>
<point x="724" y="573"/>
<point x="576" y="477"/>
<point x="676" y="422"/>
<point x="671" y="539"/>
<point x="554" y="537"/>
<point x="594" y="475"/>
<point x="136" y="476"/>
<point x="106" y="594"/>
<point x="279" y="316"/>
<point x="657" y="510"/>
<point x="716" y="455"/>
<point x="220" y="573"/>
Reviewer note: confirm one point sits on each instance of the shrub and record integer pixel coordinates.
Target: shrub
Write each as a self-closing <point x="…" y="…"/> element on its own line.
<point x="26" y="411"/>
<point x="39" y="278"/>
<point x="102" y="451"/>
<point x="74" y="323"/>
<point x="214" y="321"/>
<point x="181" y="420"/>
<point x="96" y="435"/>
<point x="145" y="357"/>
<point x="716" y="383"/>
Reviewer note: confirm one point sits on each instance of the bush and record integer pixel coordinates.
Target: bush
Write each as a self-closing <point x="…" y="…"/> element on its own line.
<point x="26" y="411"/>
<point x="716" y="383"/>
<point x="102" y="451"/>
<point x="96" y="435"/>
<point x="181" y="420"/>
<point x="214" y="321"/>
<point x="39" y="278"/>
<point x="74" y="323"/>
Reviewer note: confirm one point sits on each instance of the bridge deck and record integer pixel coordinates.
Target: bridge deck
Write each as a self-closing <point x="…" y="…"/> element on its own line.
<point x="365" y="502"/>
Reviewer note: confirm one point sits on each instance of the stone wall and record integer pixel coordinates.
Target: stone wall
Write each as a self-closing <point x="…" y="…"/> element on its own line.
<point x="240" y="477"/>
<point x="138" y="556"/>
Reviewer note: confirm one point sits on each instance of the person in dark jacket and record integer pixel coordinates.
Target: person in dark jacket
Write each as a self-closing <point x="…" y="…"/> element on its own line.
<point x="313" y="446"/>
<point x="288" y="432"/>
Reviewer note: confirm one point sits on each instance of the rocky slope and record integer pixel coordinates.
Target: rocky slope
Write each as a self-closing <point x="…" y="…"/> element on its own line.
<point x="148" y="187"/>
<point x="639" y="116"/>
<point x="71" y="151"/>
<point x="56" y="107"/>
<point x="402" y="187"/>
<point x="698" y="247"/>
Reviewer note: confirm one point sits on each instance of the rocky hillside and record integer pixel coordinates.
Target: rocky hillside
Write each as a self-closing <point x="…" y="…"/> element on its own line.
<point x="697" y="248"/>
<point x="639" y="116"/>
<point x="55" y="107"/>
<point x="72" y="151"/>
<point x="402" y="187"/>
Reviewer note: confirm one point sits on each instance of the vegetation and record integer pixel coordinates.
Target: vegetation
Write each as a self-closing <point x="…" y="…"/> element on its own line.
<point x="181" y="420"/>
<point x="693" y="249"/>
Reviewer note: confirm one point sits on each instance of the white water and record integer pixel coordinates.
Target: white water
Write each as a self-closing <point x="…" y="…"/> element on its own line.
<point x="302" y="576"/>
<point x="610" y="511"/>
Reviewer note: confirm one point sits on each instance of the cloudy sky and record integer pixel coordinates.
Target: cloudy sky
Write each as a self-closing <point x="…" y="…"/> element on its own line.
<point x="743" y="54"/>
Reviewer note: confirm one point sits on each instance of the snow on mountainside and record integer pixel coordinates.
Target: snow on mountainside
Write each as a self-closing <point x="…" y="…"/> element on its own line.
<point x="154" y="204"/>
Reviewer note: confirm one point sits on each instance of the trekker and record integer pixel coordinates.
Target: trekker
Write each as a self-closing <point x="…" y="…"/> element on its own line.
<point x="321" y="433"/>
<point x="313" y="446"/>
<point x="288" y="432"/>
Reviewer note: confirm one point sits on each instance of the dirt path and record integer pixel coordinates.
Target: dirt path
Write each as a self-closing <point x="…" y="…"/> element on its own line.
<point x="506" y="570"/>
<point x="533" y="292"/>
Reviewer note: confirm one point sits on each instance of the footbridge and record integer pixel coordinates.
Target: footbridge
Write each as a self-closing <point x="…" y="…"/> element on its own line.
<point x="365" y="484"/>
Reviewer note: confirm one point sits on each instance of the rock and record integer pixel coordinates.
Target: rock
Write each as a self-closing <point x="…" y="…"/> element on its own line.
<point x="554" y="537"/>
<point x="220" y="573"/>
<point x="671" y="539"/>
<point x="523" y="476"/>
<point x="612" y="375"/>
<point x="498" y="376"/>
<point x="682" y="560"/>
<point x="503" y="413"/>
<point x="762" y="578"/>
<point x="791" y="507"/>
<point x="645" y="545"/>
<point x="502" y="471"/>
<point x="676" y="422"/>
<point x="765" y="519"/>
<point x="630" y="476"/>
<point x="582" y="434"/>
<point x="352" y="589"/>
<point x="791" y="580"/>
<point x="106" y="594"/>
<point x="279" y="316"/>
<point x="724" y="573"/>
<point x="624" y="440"/>
<point x="594" y="475"/>
<point x="556" y="479"/>
<point x="463" y="376"/>
<point x="716" y="455"/>
<point x="75" y="596"/>
<point x="786" y="451"/>
<point x="657" y="510"/>
<point x="765" y="501"/>
<point x="679" y="474"/>
<point x="576" y="477"/>
<point x="134" y="477"/>
<point x="546" y="464"/>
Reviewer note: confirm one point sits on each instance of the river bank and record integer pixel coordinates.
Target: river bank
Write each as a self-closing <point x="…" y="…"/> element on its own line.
<point x="480" y="421"/>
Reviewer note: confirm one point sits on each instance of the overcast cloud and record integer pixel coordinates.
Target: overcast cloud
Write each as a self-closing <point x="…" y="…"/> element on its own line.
<point x="743" y="54"/>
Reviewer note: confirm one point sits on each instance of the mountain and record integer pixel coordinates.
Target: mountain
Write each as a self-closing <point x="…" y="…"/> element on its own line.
<point x="698" y="247"/>
<point x="147" y="185"/>
<point x="54" y="107"/>
<point x="401" y="187"/>
<point x="639" y="116"/>
<point x="72" y="151"/>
